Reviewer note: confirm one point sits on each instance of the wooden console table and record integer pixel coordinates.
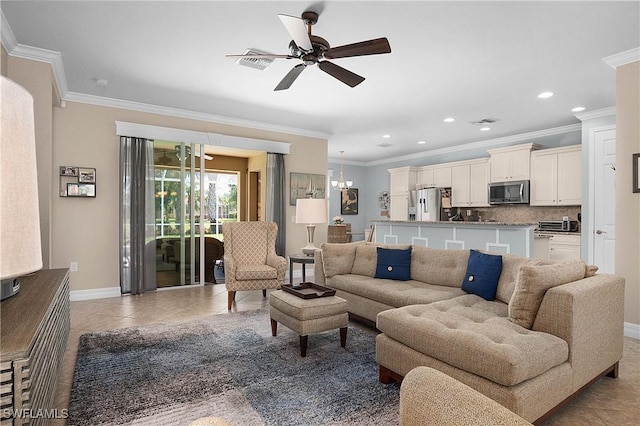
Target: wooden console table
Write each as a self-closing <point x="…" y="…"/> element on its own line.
<point x="34" y="330"/>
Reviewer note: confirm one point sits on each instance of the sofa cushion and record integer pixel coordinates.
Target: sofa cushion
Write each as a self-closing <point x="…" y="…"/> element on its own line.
<point x="507" y="282"/>
<point x="440" y="267"/>
<point x="475" y="335"/>
<point x="391" y="292"/>
<point x="483" y="272"/>
<point x="366" y="260"/>
<point x="393" y="264"/>
<point x="532" y="283"/>
<point x="337" y="258"/>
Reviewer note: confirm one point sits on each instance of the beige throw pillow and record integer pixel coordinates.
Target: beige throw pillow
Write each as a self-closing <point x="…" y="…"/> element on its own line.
<point x="337" y="259"/>
<point x="531" y="284"/>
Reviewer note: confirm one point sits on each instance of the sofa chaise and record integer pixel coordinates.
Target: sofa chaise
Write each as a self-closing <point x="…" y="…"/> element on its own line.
<point x="547" y="330"/>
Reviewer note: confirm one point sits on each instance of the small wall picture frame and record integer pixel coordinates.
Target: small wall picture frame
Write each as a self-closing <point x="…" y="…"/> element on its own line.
<point x="81" y="190"/>
<point x="68" y="171"/>
<point x="349" y="201"/>
<point x="86" y="175"/>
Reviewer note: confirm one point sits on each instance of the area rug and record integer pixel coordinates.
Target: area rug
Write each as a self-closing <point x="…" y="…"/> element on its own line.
<point x="228" y="366"/>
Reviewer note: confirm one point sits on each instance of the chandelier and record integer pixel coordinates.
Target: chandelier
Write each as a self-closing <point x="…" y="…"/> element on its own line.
<point x="341" y="184"/>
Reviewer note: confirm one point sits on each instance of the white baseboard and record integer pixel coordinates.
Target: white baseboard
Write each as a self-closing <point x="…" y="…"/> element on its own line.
<point x="94" y="293"/>
<point x="632" y="330"/>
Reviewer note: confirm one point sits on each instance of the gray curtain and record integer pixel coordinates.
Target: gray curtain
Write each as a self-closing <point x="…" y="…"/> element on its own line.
<point x="137" y="216"/>
<point x="276" y="198"/>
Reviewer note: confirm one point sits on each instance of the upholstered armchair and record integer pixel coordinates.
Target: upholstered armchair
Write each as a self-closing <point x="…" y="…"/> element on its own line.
<point x="250" y="259"/>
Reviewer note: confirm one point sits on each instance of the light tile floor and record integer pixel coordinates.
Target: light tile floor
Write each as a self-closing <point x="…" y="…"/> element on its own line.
<point x="607" y="402"/>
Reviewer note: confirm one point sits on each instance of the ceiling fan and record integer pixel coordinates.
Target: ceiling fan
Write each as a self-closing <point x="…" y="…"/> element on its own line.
<point x="311" y="50"/>
<point x="187" y="151"/>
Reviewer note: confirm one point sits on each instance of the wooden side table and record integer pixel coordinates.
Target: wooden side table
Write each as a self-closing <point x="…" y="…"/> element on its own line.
<point x="299" y="258"/>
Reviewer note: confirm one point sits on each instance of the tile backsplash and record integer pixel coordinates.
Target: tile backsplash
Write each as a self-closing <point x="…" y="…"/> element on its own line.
<point x="525" y="213"/>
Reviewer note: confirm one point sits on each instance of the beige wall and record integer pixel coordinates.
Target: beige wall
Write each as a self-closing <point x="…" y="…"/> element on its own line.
<point x="627" y="202"/>
<point x="86" y="230"/>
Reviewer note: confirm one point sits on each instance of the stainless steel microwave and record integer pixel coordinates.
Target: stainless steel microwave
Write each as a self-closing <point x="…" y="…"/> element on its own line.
<point x="515" y="192"/>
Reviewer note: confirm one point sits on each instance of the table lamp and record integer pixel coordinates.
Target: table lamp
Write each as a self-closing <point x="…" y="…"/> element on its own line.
<point x="311" y="211"/>
<point x="20" y="251"/>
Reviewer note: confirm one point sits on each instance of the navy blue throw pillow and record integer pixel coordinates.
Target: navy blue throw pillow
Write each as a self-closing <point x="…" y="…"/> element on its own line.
<point x="393" y="264"/>
<point x="483" y="273"/>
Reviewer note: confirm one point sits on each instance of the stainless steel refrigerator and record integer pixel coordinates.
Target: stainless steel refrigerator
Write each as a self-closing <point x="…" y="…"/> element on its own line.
<point x="428" y="204"/>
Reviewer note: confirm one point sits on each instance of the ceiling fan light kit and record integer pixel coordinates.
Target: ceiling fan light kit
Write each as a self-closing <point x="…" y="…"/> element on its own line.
<point x="312" y="49"/>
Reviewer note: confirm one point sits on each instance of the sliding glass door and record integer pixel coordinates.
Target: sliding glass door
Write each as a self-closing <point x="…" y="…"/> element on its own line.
<point x="191" y="200"/>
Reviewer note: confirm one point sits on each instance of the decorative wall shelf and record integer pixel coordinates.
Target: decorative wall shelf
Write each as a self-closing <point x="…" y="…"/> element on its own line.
<point x="77" y="182"/>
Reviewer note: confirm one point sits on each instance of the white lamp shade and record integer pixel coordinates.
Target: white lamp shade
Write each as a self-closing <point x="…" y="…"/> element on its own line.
<point x="20" y="251"/>
<point x="311" y="210"/>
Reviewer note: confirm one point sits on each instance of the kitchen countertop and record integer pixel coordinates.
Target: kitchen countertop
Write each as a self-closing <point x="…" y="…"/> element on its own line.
<point x="449" y="222"/>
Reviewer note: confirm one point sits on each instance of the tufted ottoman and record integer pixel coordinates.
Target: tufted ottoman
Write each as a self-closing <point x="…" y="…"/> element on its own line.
<point x="308" y="316"/>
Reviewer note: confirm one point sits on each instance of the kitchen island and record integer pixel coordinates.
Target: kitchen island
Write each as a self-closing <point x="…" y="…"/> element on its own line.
<point x="496" y="237"/>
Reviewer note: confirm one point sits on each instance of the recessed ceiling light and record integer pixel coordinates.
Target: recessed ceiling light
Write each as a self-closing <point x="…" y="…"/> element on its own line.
<point x="545" y="95"/>
<point x="484" y="129"/>
<point x="578" y="109"/>
<point x="449" y="120"/>
<point x="386" y="136"/>
<point x="422" y="142"/>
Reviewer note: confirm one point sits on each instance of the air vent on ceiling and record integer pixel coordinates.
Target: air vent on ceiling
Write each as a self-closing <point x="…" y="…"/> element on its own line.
<point x="484" y="121"/>
<point x="384" y="145"/>
<point x="257" y="63"/>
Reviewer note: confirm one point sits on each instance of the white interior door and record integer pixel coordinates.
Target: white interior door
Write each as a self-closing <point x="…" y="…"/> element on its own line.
<point x="603" y="218"/>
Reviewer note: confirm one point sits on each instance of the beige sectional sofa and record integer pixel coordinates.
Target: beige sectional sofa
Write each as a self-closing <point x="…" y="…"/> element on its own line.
<point x="553" y="328"/>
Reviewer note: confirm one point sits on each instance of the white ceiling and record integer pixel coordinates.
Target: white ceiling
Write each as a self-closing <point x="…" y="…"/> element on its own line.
<point x="468" y="60"/>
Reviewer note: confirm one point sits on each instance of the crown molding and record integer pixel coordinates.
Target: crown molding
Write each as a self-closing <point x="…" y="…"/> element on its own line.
<point x="37" y="54"/>
<point x="623" y="58"/>
<point x="192" y="115"/>
<point x="598" y="113"/>
<point x="8" y="38"/>
<point x="490" y="143"/>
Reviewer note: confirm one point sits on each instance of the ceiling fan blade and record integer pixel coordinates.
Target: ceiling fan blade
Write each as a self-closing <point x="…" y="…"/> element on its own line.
<point x="370" y="47"/>
<point x="345" y="76"/>
<point x="262" y="56"/>
<point x="291" y="76"/>
<point x="298" y="31"/>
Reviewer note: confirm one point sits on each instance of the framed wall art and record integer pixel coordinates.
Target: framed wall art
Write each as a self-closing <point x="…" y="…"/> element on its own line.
<point x="77" y="182"/>
<point x="86" y="175"/>
<point x="306" y="185"/>
<point x="349" y="201"/>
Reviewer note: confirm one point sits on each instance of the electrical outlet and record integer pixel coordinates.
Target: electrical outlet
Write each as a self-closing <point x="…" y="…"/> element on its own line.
<point x="73" y="266"/>
<point x="293" y="219"/>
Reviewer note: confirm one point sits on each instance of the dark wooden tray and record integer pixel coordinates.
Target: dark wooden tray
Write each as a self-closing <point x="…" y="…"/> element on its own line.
<point x="308" y="290"/>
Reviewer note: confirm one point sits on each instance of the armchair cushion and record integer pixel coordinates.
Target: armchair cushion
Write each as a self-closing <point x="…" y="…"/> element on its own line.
<point x="256" y="272"/>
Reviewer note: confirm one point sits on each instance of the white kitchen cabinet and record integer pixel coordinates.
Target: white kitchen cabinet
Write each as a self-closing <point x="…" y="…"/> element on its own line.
<point x="469" y="181"/>
<point x="541" y="246"/>
<point x="434" y="176"/>
<point x="511" y="163"/>
<point x="399" y="206"/>
<point x="564" y="247"/>
<point x="401" y="181"/>
<point x="556" y="177"/>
